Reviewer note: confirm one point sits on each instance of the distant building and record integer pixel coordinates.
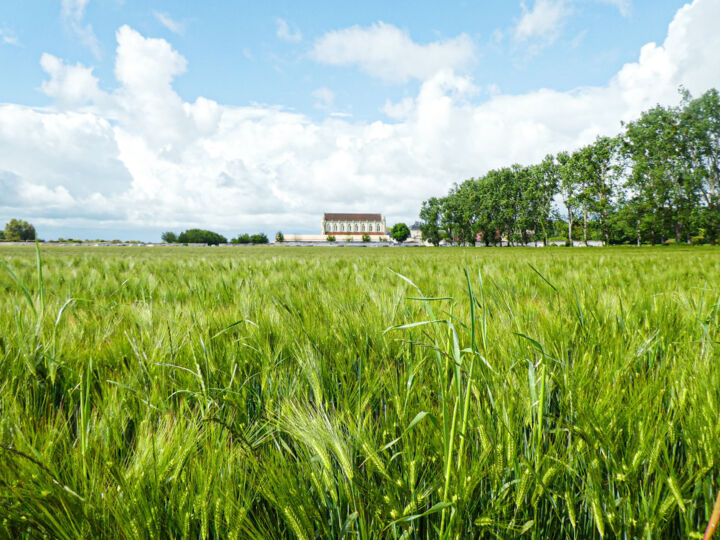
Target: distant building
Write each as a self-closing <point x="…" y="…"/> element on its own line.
<point x="416" y="233"/>
<point x="347" y="225"/>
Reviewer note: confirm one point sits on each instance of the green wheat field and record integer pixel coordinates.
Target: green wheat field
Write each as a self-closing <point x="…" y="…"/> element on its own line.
<point x="359" y="393"/>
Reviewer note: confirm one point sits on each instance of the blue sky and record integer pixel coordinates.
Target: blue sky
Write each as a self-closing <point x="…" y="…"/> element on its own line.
<point x="124" y="118"/>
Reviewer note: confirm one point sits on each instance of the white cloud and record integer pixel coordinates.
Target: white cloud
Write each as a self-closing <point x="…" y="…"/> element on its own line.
<point x="542" y="24"/>
<point x="8" y="37"/>
<point x="623" y="6"/>
<point x="71" y="86"/>
<point x="140" y="156"/>
<point x="324" y="98"/>
<point x="73" y="12"/>
<point x="286" y="33"/>
<point x="169" y="23"/>
<point x="544" y="21"/>
<point x="384" y="51"/>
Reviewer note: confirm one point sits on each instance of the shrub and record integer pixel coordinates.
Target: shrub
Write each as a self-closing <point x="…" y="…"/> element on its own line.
<point x="365" y="237"/>
<point x="348" y="239"/>
<point x="331" y="238"/>
<point x="241" y="239"/>
<point x="259" y="239"/>
<point x="201" y="236"/>
<point x="279" y="237"/>
<point x="400" y="232"/>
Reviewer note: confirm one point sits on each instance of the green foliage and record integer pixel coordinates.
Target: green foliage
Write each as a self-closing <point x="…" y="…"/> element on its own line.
<point x="235" y="393"/>
<point x="366" y="238"/>
<point x="400" y="232"/>
<point x="331" y="238"/>
<point x="259" y="238"/>
<point x="279" y="237"/>
<point x="19" y="230"/>
<point x="658" y="179"/>
<point x="201" y="236"/>
<point x="241" y="239"/>
<point x="169" y="237"/>
<point x="430" y="214"/>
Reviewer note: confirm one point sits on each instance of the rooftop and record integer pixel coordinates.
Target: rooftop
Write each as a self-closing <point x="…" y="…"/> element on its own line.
<point x="352" y="217"/>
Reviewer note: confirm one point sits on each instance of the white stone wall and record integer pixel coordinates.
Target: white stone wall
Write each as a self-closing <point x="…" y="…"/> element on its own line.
<point x="340" y="227"/>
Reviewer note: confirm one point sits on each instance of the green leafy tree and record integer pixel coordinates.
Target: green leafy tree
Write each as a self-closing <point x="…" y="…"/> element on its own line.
<point x="18" y="230"/>
<point x="366" y="237"/>
<point x="430" y="214"/>
<point x="700" y="125"/>
<point x="259" y="238"/>
<point x="400" y="232"/>
<point x="279" y="237"/>
<point x="568" y="187"/>
<point x="331" y="238"/>
<point x="241" y="239"/>
<point x="201" y="236"/>
<point x="661" y="170"/>
<point x="169" y="237"/>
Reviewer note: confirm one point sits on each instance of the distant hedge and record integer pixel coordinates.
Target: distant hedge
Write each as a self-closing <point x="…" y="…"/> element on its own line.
<point x="201" y="236"/>
<point x="260" y="238"/>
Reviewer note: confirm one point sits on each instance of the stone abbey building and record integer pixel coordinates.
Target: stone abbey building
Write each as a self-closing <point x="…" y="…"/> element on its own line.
<point x="353" y="225"/>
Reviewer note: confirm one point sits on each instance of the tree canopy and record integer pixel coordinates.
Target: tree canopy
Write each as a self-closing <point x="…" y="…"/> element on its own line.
<point x="400" y="232"/>
<point x="18" y="230"/>
<point x="201" y="236"/>
<point x="260" y="238"/>
<point x="659" y="179"/>
<point x="169" y="237"/>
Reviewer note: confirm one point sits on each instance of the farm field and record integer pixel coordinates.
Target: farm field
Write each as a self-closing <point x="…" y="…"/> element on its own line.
<point x="359" y="393"/>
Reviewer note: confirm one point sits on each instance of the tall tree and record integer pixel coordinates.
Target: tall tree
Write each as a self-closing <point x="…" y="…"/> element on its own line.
<point x="597" y="169"/>
<point x="430" y="214"/>
<point x="659" y="155"/>
<point x="700" y="126"/>
<point x="567" y="187"/>
<point x="19" y="230"/>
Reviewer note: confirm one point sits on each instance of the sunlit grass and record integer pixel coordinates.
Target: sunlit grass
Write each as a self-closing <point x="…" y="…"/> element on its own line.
<point x="290" y="392"/>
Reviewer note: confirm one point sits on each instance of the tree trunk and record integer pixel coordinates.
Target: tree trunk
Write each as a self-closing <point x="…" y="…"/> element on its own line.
<point x="585" y="226"/>
<point x="678" y="231"/>
<point x="570" y="224"/>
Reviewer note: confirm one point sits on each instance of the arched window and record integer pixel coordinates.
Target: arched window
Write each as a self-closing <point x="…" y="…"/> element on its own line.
<point x="335" y="227"/>
<point x="377" y="228"/>
<point x="363" y="227"/>
<point x="327" y="227"/>
<point x="342" y="228"/>
<point x="356" y="230"/>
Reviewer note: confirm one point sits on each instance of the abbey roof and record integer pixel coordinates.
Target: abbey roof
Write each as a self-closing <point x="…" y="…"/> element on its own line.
<point x="352" y="217"/>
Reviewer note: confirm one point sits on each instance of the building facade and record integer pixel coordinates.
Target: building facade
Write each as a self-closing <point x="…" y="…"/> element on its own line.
<point x="348" y="225"/>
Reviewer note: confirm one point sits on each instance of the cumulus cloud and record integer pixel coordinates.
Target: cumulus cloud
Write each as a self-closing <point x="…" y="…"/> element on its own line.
<point x="543" y="21"/>
<point x="73" y="12"/>
<point x="286" y="33"/>
<point x="168" y="22"/>
<point x="389" y="53"/>
<point x="141" y="156"/>
<point x="71" y="86"/>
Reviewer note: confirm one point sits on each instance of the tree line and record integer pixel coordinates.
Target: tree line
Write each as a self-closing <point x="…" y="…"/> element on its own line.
<point x="202" y="236"/>
<point x="658" y="181"/>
